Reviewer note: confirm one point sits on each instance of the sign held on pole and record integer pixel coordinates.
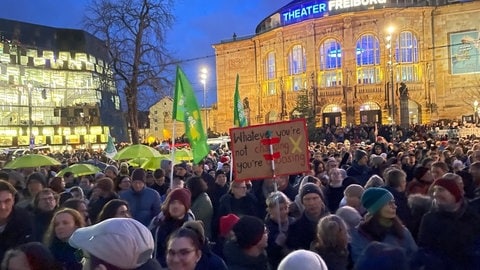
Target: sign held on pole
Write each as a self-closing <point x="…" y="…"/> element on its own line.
<point x="251" y="150"/>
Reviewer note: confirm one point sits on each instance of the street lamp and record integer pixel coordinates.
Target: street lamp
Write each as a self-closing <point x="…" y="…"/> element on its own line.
<point x="30" y="120"/>
<point x="475" y="111"/>
<point x="203" y="80"/>
<point x="389" y="46"/>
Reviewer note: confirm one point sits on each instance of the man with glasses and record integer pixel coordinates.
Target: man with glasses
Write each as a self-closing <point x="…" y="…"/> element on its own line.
<point x="44" y="204"/>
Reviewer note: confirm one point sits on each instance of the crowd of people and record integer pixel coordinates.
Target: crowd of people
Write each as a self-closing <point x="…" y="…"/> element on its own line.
<point x="380" y="205"/>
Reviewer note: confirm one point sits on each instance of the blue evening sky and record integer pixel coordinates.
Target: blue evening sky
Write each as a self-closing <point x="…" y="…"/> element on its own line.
<point x="199" y="24"/>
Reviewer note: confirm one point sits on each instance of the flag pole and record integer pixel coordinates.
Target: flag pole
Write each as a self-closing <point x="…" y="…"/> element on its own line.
<point x="172" y="157"/>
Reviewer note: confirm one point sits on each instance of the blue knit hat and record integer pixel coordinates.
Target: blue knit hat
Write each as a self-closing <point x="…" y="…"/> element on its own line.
<point x="373" y="199"/>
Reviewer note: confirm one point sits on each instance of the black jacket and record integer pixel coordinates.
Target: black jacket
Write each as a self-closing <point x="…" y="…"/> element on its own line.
<point x="17" y="231"/>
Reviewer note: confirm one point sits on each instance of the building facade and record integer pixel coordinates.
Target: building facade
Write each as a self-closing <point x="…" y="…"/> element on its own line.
<point x="161" y="122"/>
<point x="56" y="88"/>
<point x="355" y="62"/>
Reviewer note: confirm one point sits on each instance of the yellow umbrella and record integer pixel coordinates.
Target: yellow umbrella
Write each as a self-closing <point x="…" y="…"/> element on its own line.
<point x="80" y="170"/>
<point x="31" y="161"/>
<point x="136" y="151"/>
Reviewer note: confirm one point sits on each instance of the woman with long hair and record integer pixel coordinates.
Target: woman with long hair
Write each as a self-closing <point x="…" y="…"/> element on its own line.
<point x="381" y="224"/>
<point x="31" y="256"/>
<point x="175" y="212"/>
<point x="115" y="208"/>
<point x="331" y="242"/>
<point x="62" y="226"/>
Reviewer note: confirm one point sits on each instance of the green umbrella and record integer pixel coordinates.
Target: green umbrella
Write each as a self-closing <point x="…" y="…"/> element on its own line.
<point x="153" y="163"/>
<point x="183" y="155"/>
<point x="31" y="161"/>
<point x="136" y="151"/>
<point x="80" y="170"/>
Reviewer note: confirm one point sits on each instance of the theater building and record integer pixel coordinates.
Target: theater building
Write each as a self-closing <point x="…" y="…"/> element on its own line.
<point x="56" y="88"/>
<point x="355" y="62"/>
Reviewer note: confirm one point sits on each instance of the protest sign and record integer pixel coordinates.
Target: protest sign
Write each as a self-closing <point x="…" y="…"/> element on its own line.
<point x="252" y="156"/>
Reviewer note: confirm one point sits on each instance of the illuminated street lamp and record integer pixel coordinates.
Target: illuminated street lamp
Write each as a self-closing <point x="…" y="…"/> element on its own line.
<point x="389" y="41"/>
<point x="30" y="120"/>
<point x="203" y="80"/>
<point x="475" y="111"/>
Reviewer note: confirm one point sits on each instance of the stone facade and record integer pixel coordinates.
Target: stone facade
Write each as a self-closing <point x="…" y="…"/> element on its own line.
<point x="435" y="93"/>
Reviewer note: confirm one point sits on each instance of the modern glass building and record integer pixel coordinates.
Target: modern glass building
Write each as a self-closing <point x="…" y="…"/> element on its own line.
<point x="56" y="86"/>
<point x="355" y="62"/>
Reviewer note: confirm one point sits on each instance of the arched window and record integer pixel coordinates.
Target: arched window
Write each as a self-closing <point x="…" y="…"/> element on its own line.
<point x="406" y="56"/>
<point x="330" y="64"/>
<point x="297" y="65"/>
<point x="297" y="61"/>
<point x="270" y="73"/>
<point x="368" y="60"/>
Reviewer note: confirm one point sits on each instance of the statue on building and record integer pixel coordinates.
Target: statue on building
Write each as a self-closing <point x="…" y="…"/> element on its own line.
<point x="246" y="104"/>
<point x="403" y="89"/>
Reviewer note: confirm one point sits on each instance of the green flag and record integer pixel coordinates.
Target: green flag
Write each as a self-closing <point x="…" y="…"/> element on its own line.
<point x="239" y="118"/>
<point x="185" y="109"/>
<point x="110" y="151"/>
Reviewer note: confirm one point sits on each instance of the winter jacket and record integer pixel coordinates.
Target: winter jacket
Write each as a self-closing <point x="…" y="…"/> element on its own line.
<point x="144" y="205"/>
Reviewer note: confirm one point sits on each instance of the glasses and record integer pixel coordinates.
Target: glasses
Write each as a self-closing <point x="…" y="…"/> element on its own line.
<point x="180" y="253"/>
<point x="47" y="199"/>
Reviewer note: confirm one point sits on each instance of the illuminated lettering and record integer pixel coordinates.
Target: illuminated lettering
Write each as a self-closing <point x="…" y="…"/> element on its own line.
<point x="344" y="4"/>
<point x="306" y="11"/>
<point x="315" y="9"/>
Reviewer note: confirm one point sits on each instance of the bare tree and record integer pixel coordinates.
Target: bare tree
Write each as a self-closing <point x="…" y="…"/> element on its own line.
<point x="134" y="32"/>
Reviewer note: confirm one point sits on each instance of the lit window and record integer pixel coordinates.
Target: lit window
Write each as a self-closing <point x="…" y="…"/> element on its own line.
<point x="270" y="73"/>
<point x="368" y="60"/>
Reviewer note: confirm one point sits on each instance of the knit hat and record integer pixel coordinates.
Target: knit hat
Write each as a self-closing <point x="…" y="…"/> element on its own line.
<point x="451" y="186"/>
<point x="105" y="184"/>
<point x="197" y="227"/>
<point x="354" y="190"/>
<point x="112" y="168"/>
<point x="310" y="188"/>
<point x="182" y="195"/>
<point x="359" y="154"/>
<point x="248" y="231"/>
<point x="38" y="177"/>
<point x="373" y="199"/>
<point x="219" y="172"/>
<point x="420" y="172"/>
<point x="182" y="165"/>
<point x="121" y="242"/>
<point x="302" y="260"/>
<point x="138" y="175"/>
<point x="226" y="224"/>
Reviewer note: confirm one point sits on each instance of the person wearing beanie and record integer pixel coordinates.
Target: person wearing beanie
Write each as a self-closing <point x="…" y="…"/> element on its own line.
<point x="144" y="202"/>
<point x="111" y="171"/>
<point x="247" y="249"/>
<point x="302" y="260"/>
<point x="450" y="232"/>
<point x="302" y="232"/>
<point x="36" y="182"/>
<point x="102" y="193"/>
<point x="359" y="169"/>
<point x="421" y="182"/>
<point x="352" y="197"/>
<point x="381" y="224"/>
<point x="174" y="213"/>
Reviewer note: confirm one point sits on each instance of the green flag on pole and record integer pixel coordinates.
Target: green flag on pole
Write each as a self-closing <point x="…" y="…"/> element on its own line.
<point x="185" y="109"/>
<point x="239" y="118"/>
<point x="110" y="150"/>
